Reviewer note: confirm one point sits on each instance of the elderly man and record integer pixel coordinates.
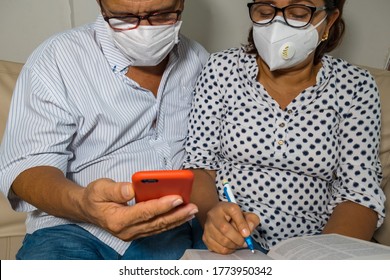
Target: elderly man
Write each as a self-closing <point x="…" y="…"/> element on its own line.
<point x="92" y="106"/>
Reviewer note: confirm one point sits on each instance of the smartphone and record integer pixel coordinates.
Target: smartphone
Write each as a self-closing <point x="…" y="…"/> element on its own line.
<point x="158" y="183"/>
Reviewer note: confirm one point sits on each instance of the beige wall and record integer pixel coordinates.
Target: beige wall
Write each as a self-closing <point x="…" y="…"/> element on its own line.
<point x="217" y="24"/>
<point x="367" y="37"/>
<point x="25" y="23"/>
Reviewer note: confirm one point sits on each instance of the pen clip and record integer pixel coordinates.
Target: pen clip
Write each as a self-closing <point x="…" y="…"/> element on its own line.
<point x="228" y="193"/>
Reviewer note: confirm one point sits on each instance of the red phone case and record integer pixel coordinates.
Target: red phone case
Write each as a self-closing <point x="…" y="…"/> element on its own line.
<point x="157" y="183"/>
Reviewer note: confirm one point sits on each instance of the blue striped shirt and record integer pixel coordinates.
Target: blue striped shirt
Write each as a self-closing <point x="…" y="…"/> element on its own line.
<point x="73" y="108"/>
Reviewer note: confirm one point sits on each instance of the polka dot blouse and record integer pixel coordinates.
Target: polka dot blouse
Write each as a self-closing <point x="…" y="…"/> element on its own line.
<point x="291" y="166"/>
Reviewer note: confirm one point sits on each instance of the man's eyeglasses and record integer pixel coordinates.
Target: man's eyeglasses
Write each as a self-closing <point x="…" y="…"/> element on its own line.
<point x="128" y="22"/>
<point x="296" y="15"/>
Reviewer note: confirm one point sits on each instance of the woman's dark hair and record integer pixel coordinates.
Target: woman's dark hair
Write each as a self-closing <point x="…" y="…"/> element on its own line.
<point x="335" y="35"/>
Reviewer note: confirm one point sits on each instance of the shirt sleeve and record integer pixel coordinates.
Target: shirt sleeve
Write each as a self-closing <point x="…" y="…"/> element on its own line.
<point x="359" y="174"/>
<point x="39" y="127"/>
<point x="203" y="141"/>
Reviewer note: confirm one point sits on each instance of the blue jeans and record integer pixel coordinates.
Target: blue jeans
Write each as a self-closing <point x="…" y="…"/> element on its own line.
<point x="71" y="242"/>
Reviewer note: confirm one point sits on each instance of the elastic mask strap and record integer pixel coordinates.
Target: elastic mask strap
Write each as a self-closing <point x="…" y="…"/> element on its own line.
<point x="318" y="24"/>
<point x="322" y="20"/>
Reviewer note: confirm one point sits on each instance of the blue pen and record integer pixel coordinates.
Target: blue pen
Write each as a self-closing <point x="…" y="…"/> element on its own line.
<point x="230" y="197"/>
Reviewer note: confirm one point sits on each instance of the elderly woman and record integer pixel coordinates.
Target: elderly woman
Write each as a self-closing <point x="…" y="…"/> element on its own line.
<point x="294" y="131"/>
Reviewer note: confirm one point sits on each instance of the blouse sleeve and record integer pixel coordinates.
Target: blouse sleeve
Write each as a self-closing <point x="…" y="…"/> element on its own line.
<point x="203" y="141"/>
<point x="359" y="174"/>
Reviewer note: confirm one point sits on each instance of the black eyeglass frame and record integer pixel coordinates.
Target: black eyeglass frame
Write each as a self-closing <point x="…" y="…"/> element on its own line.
<point x="140" y="18"/>
<point x="277" y="9"/>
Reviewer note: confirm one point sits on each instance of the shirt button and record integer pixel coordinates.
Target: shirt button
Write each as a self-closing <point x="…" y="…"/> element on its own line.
<point x="289" y="112"/>
<point x="282" y="125"/>
<point x="280" y="142"/>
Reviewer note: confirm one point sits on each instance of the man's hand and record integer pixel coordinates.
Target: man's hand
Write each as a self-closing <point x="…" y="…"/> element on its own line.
<point x="226" y="227"/>
<point x="104" y="203"/>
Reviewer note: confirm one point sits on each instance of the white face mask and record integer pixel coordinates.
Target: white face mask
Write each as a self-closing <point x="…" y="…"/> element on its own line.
<point x="282" y="46"/>
<point x="147" y="45"/>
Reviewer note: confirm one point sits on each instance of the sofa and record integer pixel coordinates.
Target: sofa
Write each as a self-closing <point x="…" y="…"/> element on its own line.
<point x="12" y="228"/>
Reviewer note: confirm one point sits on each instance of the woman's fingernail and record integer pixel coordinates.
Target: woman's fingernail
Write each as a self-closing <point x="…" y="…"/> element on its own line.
<point x="245" y="232"/>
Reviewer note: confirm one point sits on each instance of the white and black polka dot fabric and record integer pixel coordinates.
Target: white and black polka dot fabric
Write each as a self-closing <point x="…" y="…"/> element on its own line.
<point x="291" y="166"/>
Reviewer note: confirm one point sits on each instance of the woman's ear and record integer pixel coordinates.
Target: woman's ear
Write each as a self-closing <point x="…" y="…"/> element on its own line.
<point x="331" y="20"/>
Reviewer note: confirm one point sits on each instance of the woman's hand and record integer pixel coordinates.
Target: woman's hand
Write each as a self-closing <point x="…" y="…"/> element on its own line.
<point x="226" y="227"/>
